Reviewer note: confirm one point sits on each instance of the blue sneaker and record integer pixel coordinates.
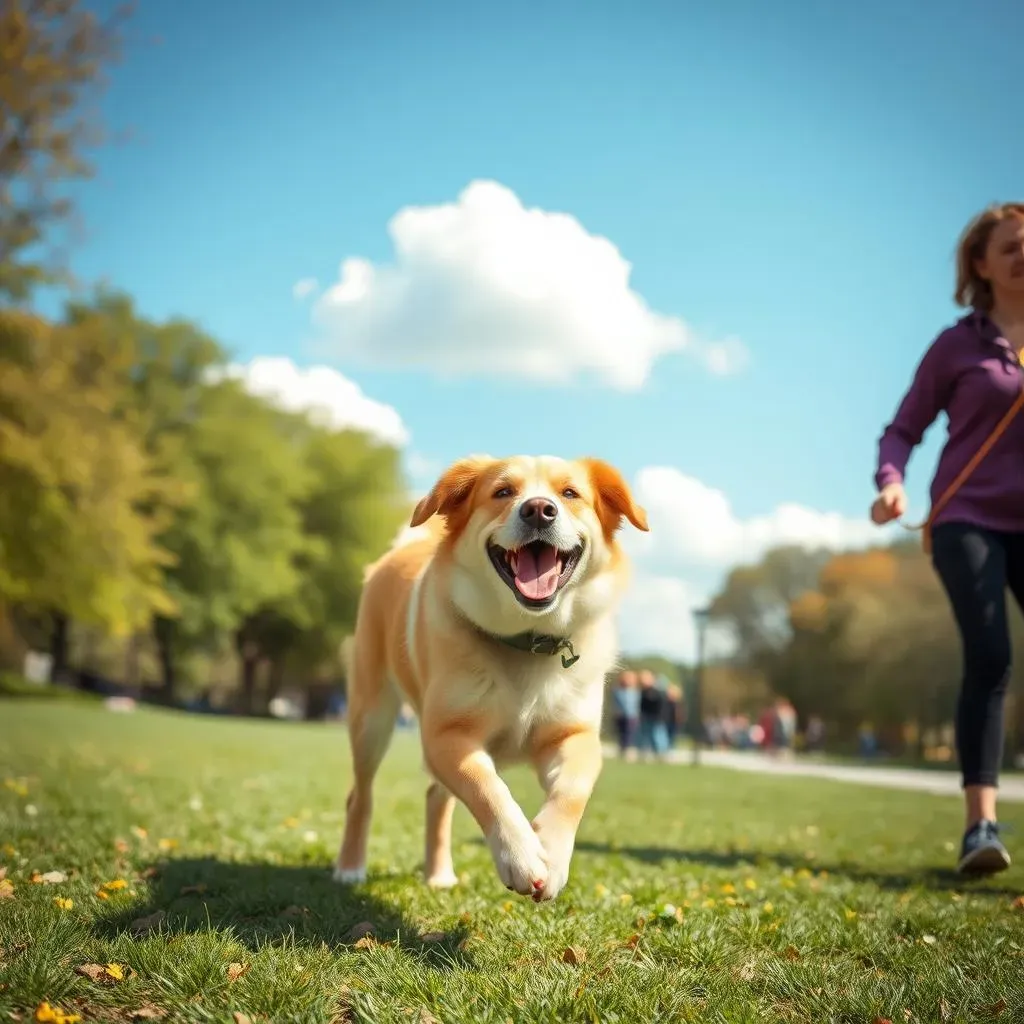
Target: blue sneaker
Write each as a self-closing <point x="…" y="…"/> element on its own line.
<point x="982" y="852"/>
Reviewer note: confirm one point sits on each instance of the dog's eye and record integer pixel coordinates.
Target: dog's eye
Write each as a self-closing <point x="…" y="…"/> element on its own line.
<point x="503" y="492"/>
<point x="570" y="493"/>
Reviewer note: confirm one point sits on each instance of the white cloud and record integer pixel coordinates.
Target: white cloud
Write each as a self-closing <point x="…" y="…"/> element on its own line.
<point x="304" y="288"/>
<point x="485" y="286"/>
<point x="329" y="398"/>
<point x="695" y="539"/>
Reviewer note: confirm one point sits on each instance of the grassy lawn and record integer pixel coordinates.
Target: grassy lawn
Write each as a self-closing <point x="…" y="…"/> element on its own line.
<point x="196" y="855"/>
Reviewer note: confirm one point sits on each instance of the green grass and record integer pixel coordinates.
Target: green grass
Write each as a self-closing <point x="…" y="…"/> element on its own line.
<point x="797" y="899"/>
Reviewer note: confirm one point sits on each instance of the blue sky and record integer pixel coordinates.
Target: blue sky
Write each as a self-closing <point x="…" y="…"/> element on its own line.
<point x="791" y="175"/>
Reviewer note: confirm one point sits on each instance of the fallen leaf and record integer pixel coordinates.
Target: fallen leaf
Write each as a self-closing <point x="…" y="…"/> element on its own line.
<point x="361" y="930"/>
<point x="993" y="1009"/>
<point x="633" y="941"/>
<point x="1018" y="903"/>
<point x="433" y="937"/>
<point x="142" y="925"/>
<point x="240" y="1018"/>
<point x="147" y="1012"/>
<point x="748" y="971"/>
<point x="104" y="973"/>
<point x="167" y="844"/>
<point x="574" y="955"/>
<point x="426" y="1017"/>
<point x="63" y="902"/>
<point x="54" y="1015"/>
<point x="188" y="889"/>
<point x="235" y="971"/>
<point x="113" y="886"/>
<point x="791" y="953"/>
<point x="6" y="889"/>
<point x="929" y="940"/>
<point x="139" y="832"/>
<point x="121" y="845"/>
<point x="881" y="1020"/>
<point x="366" y="942"/>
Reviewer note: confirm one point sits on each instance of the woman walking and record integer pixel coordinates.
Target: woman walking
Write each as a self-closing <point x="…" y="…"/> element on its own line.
<point x="975" y="531"/>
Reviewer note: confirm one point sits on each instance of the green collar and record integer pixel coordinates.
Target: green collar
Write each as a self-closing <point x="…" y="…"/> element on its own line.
<point x="542" y="643"/>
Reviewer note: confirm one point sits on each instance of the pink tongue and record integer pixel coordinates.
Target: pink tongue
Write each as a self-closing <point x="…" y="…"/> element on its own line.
<point x="537" y="572"/>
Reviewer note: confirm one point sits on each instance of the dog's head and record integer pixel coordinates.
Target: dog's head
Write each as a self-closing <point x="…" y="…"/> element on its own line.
<point x="531" y="540"/>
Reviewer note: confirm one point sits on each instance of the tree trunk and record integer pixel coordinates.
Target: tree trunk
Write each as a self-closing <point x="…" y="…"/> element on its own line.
<point x="247" y="691"/>
<point x="59" y="642"/>
<point x="163" y="632"/>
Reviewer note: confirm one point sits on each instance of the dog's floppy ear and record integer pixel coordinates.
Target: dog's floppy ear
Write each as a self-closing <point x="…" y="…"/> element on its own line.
<point x="614" y="498"/>
<point x="452" y="489"/>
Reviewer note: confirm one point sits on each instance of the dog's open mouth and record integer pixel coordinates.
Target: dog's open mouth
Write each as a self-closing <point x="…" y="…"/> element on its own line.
<point x="535" y="572"/>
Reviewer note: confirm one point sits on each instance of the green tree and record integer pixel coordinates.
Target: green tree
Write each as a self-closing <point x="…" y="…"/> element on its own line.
<point x="52" y="59"/>
<point x="354" y="505"/>
<point x="82" y="504"/>
<point x="239" y="545"/>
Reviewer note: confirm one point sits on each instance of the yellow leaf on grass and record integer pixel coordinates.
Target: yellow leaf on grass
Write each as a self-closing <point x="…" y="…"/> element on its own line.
<point x="113" y="886"/>
<point x="750" y="884"/>
<point x="167" y="844"/>
<point x="235" y="971"/>
<point x="729" y="888"/>
<point x="768" y="906"/>
<point x="63" y="902"/>
<point x="6" y="889"/>
<point x="849" y="914"/>
<point x="47" y="1014"/>
<point x="574" y="956"/>
<point x="115" y="971"/>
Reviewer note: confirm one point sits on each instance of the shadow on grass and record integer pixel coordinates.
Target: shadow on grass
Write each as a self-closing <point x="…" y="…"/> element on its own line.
<point x="269" y="903"/>
<point x="926" y="878"/>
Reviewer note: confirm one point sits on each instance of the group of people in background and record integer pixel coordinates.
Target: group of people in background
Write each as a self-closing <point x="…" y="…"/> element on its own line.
<point x="650" y="716"/>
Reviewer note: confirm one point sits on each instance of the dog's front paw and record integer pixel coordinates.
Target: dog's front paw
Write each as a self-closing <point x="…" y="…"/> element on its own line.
<point x="349" y="876"/>
<point x="558" y="841"/>
<point x="519" y="857"/>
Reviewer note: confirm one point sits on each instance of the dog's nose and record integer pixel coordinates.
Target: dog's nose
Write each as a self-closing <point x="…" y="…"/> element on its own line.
<point x="538" y="512"/>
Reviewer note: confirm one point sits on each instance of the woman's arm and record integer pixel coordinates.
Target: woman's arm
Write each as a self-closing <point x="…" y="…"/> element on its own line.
<point x="927" y="396"/>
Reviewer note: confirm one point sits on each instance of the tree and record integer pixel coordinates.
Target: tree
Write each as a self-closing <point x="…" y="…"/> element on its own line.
<point x="54" y="53"/>
<point x="353" y="507"/>
<point x="237" y="547"/>
<point x="82" y="505"/>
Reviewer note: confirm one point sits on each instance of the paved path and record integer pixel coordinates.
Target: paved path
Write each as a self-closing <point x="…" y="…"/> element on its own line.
<point x="943" y="783"/>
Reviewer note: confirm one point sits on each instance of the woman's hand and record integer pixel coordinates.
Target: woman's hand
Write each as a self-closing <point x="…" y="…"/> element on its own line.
<point x="890" y="504"/>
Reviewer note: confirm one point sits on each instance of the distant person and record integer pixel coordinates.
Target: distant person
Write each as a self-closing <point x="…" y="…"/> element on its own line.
<point x="814" y="737"/>
<point x="626" y="709"/>
<point x="674" y="715"/>
<point x="653" y="738"/>
<point x="975" y="530"/>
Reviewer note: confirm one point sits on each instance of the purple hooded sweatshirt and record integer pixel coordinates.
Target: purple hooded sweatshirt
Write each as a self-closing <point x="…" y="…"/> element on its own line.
<point x="971" y="373"/>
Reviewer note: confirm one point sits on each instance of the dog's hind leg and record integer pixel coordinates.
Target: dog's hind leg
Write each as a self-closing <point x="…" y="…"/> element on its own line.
<point x="437" y="865"/>
<point x="373" y="712"/>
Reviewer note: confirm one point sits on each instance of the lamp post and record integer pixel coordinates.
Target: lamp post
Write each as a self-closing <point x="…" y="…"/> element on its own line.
<point x="696" y="710"/>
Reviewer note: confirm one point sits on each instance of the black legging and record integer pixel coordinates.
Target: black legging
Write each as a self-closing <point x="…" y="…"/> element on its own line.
<point x="977" y="566"/>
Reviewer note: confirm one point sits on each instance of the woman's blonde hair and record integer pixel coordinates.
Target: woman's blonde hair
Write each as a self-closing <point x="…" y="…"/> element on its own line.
<point x="972" y="290"/>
